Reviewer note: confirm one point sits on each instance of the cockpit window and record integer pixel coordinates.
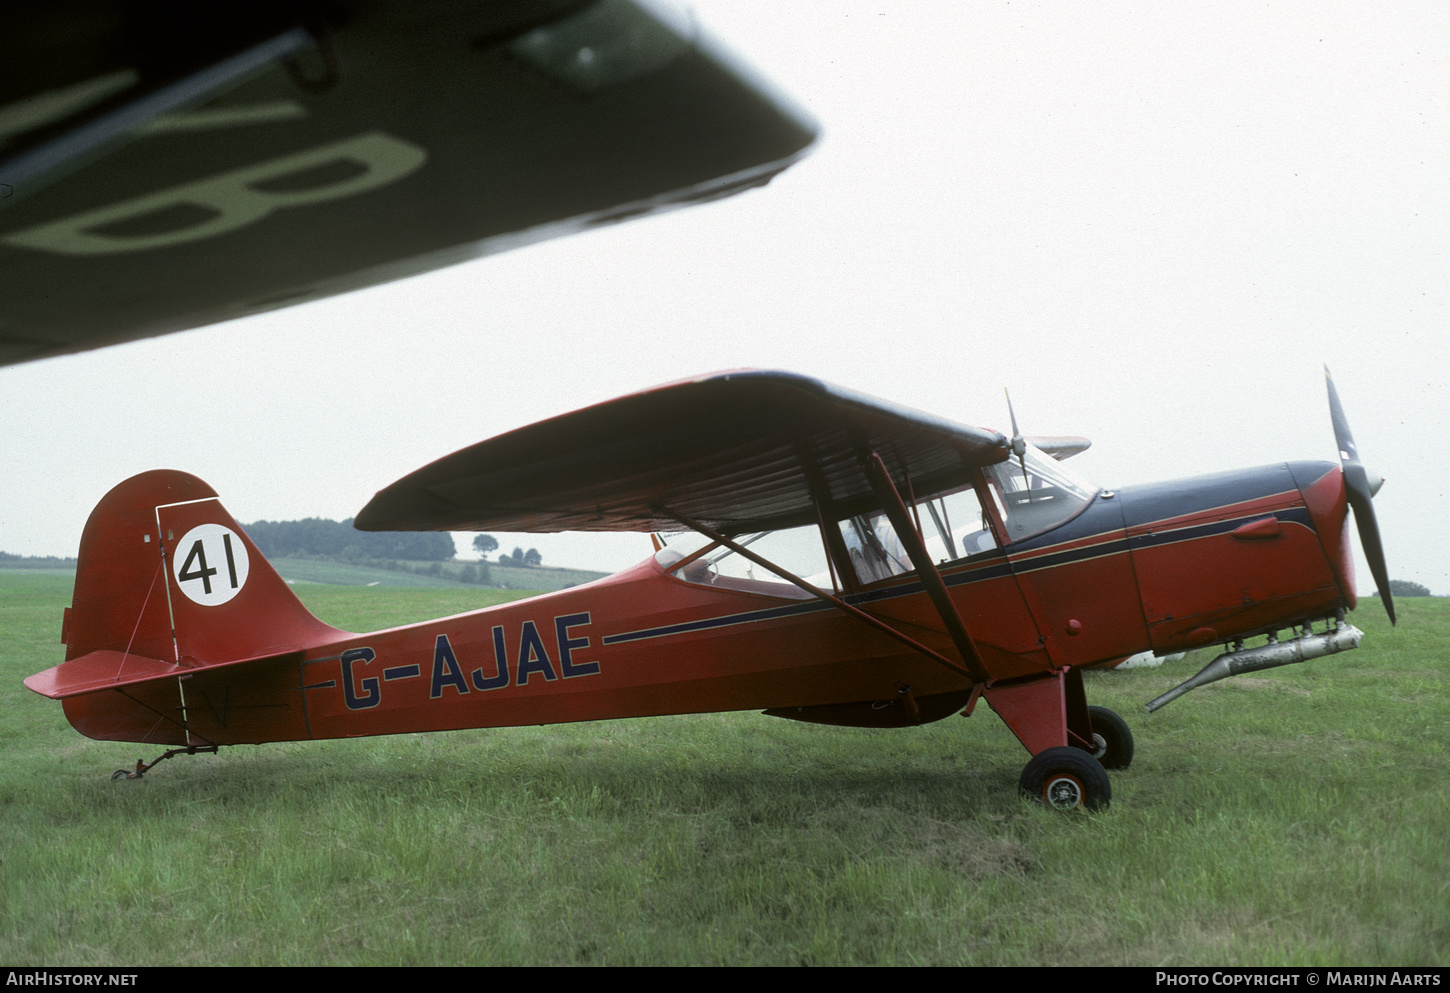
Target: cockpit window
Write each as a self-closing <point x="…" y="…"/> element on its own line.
<point x="876" y="550"/>
<point x="952" y="526"/>
<point x="1043" y="496"/>
<point x="797" y="550"/>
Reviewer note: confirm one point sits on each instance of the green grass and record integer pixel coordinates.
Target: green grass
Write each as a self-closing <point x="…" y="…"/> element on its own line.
<point x="1296" y="816"/>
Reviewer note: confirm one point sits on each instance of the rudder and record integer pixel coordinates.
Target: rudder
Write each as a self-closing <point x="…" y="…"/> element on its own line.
<point x="165" y="572"/>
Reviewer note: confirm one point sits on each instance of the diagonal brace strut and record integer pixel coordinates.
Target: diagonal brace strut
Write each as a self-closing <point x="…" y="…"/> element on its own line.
<point x="931" y="579"/>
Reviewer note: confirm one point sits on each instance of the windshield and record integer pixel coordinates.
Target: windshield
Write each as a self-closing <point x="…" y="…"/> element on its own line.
<point x="1047" y="494"/>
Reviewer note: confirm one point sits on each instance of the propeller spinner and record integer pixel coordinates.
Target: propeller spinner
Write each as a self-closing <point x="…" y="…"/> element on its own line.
<point x="1360" y="486"/>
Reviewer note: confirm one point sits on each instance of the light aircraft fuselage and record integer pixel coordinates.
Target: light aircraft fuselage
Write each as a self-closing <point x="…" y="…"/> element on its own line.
<point x="181" y="634"/>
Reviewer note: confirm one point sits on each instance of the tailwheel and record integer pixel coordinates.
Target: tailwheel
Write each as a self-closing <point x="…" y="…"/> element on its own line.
<point x="1112" y="739"/>
<point x="135" y="773"/>
<point x="1066" y="778"/>
<point x="143" y="767"/>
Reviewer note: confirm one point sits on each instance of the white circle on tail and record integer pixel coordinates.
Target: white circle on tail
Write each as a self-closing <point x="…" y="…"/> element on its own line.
<point x="210" y="564"/>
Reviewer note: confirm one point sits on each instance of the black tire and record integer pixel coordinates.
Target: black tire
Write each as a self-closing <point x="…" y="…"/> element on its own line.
<point x="1113" y="737"/>
<point x="1066" y="778"/>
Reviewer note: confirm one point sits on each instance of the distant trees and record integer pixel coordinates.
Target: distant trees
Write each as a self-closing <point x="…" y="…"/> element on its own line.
<point x="37" y="561"/>
<point x="338" y="539"/>
<point x="484" y="543"/>
<point x="521" y="559"/>
<point x="1403" y="587"/>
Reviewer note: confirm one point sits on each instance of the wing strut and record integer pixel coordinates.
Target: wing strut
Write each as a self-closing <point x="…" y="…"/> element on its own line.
<point x="821" y="594"/>
<point x="936" y="589"/>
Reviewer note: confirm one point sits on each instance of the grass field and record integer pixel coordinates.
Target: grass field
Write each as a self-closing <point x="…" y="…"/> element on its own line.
<point x="1297" y="816"/>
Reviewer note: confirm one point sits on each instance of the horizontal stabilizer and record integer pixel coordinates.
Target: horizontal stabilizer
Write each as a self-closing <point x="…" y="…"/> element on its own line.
<point x="101" y="670"/>
<point x="109" y="670"/>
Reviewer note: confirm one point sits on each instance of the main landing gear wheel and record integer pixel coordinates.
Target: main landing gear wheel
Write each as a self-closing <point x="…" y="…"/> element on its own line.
<point x="1066" y="778"/>
<point x="1113" y="738"/>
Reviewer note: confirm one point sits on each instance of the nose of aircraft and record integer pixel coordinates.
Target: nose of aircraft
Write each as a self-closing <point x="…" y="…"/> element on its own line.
<point x="1230" y="554"/>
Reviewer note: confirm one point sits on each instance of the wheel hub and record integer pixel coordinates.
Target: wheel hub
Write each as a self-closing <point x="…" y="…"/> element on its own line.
<point x="1063" y="793"/>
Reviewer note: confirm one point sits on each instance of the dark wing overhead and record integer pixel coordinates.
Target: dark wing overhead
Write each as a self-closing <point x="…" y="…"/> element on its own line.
<point x="167" y="165"/>
<point x="739" y="451"/>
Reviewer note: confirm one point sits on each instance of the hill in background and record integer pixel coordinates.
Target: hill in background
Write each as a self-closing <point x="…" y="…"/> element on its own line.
<point x="421" y="574"/>
<point x="317" y="550"/>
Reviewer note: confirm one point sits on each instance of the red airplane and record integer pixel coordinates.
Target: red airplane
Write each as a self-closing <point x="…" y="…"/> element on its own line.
<point x="826" y="557"/>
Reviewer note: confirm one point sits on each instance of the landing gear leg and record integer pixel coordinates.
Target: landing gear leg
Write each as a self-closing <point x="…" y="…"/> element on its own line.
<point x="1045" y="714"/>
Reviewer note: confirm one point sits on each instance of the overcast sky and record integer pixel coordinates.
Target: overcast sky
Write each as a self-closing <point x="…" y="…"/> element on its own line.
<point x="1154" y="223"/>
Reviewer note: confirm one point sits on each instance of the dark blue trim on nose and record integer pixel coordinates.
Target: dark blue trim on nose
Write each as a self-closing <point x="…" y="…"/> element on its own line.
<point x="1166" y="501"/>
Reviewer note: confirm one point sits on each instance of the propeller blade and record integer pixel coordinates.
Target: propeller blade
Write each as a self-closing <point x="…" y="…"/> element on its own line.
<point x="1360" y="491"/>
<point x="1019" y="445"/>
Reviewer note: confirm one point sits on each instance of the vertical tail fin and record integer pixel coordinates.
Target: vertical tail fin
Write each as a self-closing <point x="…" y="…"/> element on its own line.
<point x="165" y="572"/>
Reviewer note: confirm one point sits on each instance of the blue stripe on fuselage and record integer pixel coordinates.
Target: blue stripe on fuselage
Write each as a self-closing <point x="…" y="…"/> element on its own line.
<point x="1293" y="515"/>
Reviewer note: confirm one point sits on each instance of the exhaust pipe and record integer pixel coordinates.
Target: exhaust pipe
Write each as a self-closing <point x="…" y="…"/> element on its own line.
<point x="1276" y="653"/>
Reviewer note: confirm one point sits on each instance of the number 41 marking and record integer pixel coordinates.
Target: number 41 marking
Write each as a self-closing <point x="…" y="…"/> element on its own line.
<point x="194" y="574"/>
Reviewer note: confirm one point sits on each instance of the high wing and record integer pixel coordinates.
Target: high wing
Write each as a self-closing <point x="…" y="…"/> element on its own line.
<point x="1059" y="446"/>
<point x="738" y="451"/>
<point x="168" y="165"/>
